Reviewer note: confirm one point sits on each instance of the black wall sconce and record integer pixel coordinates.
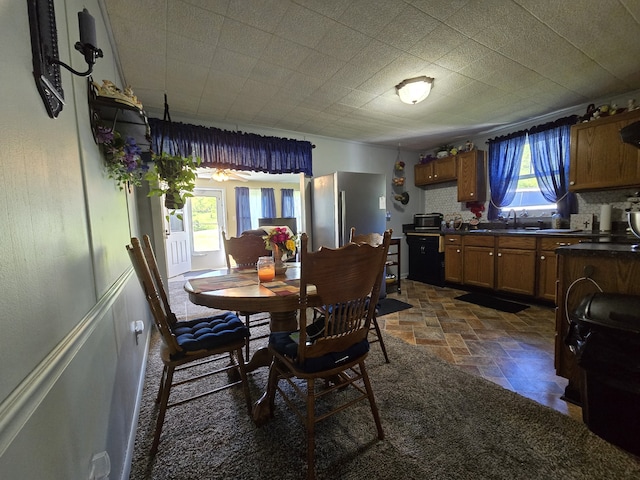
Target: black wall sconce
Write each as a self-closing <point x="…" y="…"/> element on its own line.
<point x="44" y="47"/>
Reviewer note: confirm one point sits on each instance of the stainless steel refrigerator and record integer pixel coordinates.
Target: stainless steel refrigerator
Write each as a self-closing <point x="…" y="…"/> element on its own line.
<point x="342" y="200"/>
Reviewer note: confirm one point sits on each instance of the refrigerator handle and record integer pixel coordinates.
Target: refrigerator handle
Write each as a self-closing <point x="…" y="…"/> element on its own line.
<point x="342" y="215"/>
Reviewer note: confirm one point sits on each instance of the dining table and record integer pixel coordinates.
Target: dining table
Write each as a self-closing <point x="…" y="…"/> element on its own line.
<point x="240" y="290"/>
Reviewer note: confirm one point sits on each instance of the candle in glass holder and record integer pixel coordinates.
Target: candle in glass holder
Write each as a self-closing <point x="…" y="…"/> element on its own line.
<point x="266" y="269"/>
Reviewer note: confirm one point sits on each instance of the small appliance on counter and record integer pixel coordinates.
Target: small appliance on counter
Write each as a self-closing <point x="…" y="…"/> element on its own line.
<point x="425" y="222"/>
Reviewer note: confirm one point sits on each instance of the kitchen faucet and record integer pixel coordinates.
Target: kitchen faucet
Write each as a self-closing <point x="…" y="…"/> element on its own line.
<point x="515" y="218"/>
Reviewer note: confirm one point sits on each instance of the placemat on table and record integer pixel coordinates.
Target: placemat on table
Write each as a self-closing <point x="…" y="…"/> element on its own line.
<point x="209" y="284"/>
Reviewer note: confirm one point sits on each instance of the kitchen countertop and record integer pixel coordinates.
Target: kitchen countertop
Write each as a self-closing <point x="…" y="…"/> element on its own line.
<point x="589" y="237"/>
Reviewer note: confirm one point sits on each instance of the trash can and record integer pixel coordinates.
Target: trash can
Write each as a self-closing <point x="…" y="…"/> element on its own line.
<point x="605" y="337"/>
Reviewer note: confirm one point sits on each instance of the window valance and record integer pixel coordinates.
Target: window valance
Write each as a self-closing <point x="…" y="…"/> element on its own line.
<point x="235" y="150"/>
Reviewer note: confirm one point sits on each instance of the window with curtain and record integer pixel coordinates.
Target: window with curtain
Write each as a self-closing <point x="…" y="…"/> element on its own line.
<point x="529" y="171"/>
<point x="287" y="205"/>
<point x="255" y="200"/>
<point x="528" y="196"/>
<point x="268" y="202"/>
<point x="243" y="210"/>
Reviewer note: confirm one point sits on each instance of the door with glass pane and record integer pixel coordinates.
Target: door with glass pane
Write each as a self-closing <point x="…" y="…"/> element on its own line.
<point x="177" y="243"/>
<point x="207" y="223"/>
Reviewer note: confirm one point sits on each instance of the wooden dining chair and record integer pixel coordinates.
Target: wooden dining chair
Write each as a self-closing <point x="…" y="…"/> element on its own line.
<point x="245" y="251"/>
<point x="374" y="239"/>
<point x="345" y="283"/>
<point x="188" y="344"/>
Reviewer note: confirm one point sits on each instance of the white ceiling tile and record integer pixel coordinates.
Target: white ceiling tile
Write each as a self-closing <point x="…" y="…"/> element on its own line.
<point x="330" y="67"/>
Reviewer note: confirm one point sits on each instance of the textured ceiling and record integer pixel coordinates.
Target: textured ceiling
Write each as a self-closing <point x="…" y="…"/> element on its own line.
<point x="329" y="67"/>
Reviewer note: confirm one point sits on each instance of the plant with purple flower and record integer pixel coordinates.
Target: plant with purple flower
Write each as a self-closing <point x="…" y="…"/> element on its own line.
<point x="122" y="158"/>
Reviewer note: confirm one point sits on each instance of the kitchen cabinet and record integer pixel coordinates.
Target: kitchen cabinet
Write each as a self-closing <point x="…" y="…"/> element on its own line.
<point x="599" y="159"/>
<point x="393" y="264"/>
<point x="547" y="265"/>
<point x="583" y="269"/>
<point x="516" y="265"/>
<point x="436" y="171"/>
<point x="453" y="258"/>
<point x="478" y="261"/>
<point x="472" y="177"/>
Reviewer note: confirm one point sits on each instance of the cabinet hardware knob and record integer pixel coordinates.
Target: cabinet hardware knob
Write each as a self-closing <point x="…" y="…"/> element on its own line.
<point x="572" y="183"/>
<point x="499" y="254"/>
<point x="542" y="257"/>
<point x="491" y="254"/>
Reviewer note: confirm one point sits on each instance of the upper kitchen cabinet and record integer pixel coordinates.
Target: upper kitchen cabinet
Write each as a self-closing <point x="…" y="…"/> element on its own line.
<point x="472" y="177"/>
<point x="436" y="171"/>
<point x="599" y="158"/>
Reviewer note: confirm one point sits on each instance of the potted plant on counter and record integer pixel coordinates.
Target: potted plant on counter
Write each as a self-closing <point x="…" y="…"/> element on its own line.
<point x="175" y="178"/>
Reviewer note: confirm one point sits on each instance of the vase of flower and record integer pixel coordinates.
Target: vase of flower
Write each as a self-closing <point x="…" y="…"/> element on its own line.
<point x="280" y="240"/>
<point x="277" y="259"/>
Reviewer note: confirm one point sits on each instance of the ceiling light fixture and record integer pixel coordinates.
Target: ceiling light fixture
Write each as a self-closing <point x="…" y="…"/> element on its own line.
<point x="414" y="90"/>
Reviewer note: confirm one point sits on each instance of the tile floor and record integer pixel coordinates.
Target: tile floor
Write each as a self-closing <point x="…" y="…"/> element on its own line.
<point x="513" y="350"/>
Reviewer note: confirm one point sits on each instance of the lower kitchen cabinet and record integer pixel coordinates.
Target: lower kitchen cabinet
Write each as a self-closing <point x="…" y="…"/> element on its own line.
<point x="453" y="258"/>
<point x="547" y="265"/>
<point x="516" y="265"/>
<point x="478" y="261"/>
<point x="584" y="269"/>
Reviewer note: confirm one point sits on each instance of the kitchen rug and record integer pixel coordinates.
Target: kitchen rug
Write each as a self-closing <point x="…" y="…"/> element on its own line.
<point x="490" y="301"/>
<point x="391" y="305"/>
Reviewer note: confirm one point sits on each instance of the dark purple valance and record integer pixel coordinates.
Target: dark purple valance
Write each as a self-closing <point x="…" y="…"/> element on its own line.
<point x="235" y="150"/>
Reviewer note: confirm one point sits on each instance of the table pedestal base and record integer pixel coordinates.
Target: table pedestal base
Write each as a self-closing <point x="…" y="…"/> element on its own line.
<point x="280" y="322"/>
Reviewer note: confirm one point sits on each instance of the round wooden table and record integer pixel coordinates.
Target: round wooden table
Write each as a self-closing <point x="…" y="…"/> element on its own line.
<point x="240" y="290"/>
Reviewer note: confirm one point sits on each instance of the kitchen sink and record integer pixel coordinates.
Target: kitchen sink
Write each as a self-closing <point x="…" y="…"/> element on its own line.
<point x="481" y="230"/>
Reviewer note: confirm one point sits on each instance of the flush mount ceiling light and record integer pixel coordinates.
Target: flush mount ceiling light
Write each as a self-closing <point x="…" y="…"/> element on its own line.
<point x="414" y="90"/>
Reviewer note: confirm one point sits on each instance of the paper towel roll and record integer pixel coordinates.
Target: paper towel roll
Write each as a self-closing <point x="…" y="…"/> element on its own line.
<point x="605" y="218"/>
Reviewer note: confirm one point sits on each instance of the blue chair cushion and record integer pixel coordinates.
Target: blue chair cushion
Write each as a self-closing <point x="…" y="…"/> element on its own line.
<point x="283" y="343"/>
<point x="210" y="332"/>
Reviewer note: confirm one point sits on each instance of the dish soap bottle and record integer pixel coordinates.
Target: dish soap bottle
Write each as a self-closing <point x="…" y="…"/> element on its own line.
<point x="556" y="220"/>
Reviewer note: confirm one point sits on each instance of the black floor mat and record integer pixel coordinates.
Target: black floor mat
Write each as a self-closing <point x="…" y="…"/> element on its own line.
<point x="492" y="302"/>
<point x="390" y="305"/>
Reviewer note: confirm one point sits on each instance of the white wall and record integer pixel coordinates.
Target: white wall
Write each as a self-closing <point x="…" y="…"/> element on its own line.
<point x="70" y="366"/>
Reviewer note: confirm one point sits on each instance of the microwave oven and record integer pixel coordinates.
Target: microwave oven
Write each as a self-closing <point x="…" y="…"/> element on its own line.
<point x="428" y="221"/>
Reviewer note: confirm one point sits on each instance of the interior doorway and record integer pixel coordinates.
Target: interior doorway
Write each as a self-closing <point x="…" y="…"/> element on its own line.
<point x="207" y="221"/>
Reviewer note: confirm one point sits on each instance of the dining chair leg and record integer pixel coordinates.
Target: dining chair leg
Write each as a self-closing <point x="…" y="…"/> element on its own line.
<point x="164" y="400"/>
<point x="243" y="376"/>
<point x="372" y="400"/>
<point x="380" y="339"/>
<point x="163" y="377"/>
<point x="311" y="424"/>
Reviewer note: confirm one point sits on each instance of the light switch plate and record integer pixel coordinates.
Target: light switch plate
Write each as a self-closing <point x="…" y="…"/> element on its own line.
<point x="582" y="221"/>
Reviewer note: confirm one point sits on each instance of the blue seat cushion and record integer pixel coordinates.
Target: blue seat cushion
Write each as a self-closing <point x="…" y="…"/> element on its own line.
<point x="283" y="343"/>
<point x="210" y="332"/>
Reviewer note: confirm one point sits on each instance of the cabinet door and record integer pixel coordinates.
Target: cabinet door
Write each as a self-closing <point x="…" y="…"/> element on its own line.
<point x="472" y="182"/>
<point x="516" y="271"/>
<point x="478" y="266"/>
<point x="453" y="263"/>
<point x="547" y="275"/>
<point x="445" y="169"/>
<point x="599" y="158"/>
<point x="423" y="172"/>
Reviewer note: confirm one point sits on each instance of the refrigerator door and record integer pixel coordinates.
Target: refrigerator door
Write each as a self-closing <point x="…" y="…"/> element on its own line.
<point x="346" y="199"/>
<point x="362" y="205"/>
<point x="324" y="211"/>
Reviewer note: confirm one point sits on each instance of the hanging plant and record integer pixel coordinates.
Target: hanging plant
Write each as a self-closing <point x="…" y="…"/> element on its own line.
<point x="175" y="178"/>
<point x="122" y="158"/>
